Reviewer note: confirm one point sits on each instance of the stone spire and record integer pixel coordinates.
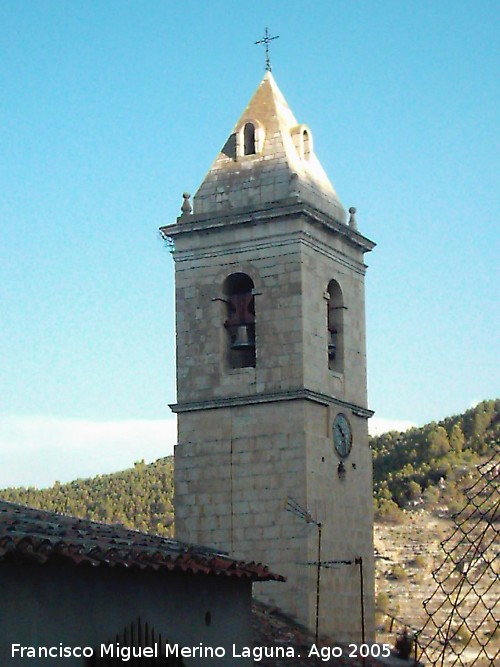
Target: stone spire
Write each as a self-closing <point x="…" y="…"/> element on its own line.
<point x="268" y="158"/>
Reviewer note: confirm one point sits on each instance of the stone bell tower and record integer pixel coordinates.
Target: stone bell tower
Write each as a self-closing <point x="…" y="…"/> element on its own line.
<point x="271" y="370"/>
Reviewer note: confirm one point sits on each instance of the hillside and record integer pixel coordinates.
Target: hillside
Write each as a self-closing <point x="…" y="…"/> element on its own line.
<point x="140" y="497"/>
<point x="425" y="467"/>
<point x="429" y="467"/>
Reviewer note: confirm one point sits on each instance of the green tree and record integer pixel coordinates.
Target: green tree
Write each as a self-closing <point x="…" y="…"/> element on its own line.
<point x="457" y="439"/>
<point x="439" y="445"/>
<point x="414" y="490"/>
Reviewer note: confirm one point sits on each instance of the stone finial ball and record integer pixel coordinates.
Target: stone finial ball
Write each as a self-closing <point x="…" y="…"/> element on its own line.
<point x="186" y="195"/>
<point x="352" y="210"/>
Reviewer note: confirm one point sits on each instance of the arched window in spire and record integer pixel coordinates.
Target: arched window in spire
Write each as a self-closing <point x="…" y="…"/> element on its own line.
<point x="249" y="139"/>
<point x="335" y="327"/>
<point x="303" y="141"/>
<point x="306" y="145"/>
<point x="240" y="320"/>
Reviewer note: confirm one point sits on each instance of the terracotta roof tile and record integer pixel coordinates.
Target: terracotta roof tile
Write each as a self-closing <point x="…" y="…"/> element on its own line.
<point x="33" y="534"/>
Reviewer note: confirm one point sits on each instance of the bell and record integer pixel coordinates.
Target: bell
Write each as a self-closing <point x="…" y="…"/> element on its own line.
<point x="241" y="339"/>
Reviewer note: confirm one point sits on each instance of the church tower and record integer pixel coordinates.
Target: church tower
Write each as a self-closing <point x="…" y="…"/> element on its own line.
<point x="271" y="370"/>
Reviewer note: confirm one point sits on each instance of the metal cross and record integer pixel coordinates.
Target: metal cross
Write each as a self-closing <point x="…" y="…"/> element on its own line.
<point x="265" y="40"/>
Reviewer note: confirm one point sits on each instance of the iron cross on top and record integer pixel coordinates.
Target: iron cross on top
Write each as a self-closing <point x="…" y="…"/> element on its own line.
<point x="265" y="40"/>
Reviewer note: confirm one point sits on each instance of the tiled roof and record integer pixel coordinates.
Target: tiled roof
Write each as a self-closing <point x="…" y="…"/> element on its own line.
<point x="272" y="628"/>
<point x="28" y="533"/>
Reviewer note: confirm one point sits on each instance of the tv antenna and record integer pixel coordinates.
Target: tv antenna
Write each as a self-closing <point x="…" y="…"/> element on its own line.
<point x="295" y="508"/>
<point x="304" y="514"/>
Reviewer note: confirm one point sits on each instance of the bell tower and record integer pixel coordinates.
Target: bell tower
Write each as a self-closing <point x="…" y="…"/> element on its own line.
<point x="271" y="370"/>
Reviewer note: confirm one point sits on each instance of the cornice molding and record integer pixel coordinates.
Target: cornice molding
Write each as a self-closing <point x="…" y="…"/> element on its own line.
<point x="271" y="397"/>
<point x="283" y="209"/>
<point x="273" y="241"/>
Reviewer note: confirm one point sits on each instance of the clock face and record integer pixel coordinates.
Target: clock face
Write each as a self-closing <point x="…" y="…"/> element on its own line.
<point x="342" y="435"/>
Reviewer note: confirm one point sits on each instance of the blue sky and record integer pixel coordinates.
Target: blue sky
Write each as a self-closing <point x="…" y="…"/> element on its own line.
<point x="110" y="110"/>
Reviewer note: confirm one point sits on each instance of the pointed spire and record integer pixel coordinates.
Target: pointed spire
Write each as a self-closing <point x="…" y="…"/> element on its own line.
<point x="269" y="157"/>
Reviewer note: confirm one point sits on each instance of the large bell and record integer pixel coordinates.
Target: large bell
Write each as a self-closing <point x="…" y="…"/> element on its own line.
<point x="241" y="339"/>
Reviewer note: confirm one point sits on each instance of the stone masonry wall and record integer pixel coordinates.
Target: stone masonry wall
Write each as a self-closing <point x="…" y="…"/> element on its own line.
<point x="248" y="439"/>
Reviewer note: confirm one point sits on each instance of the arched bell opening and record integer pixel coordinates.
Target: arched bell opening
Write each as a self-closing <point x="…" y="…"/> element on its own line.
<point x="335" y="327"/>
<point x="240" y="320"/>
